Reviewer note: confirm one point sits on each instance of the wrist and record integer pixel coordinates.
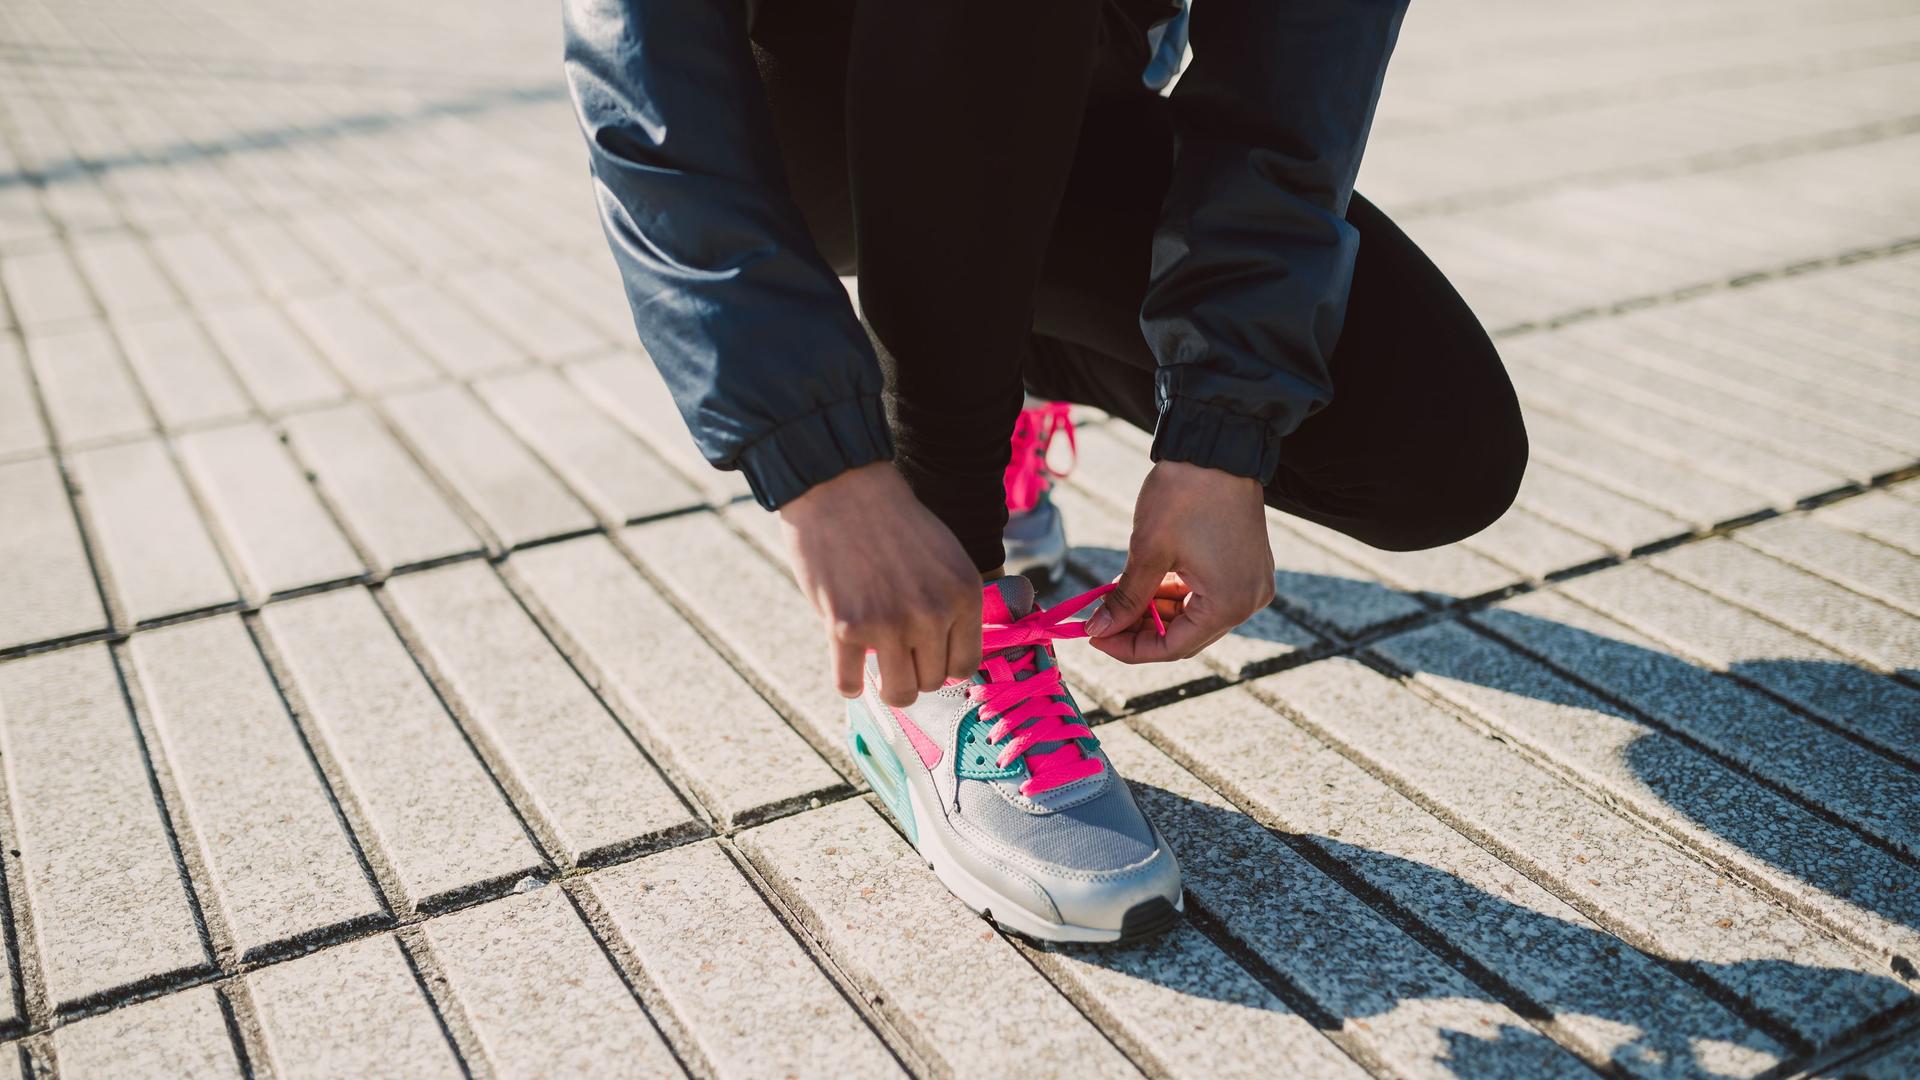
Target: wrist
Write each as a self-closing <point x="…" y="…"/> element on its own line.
<point x="831" y="497"/>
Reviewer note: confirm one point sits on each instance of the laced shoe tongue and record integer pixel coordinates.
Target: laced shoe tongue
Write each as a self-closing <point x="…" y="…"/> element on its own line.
<point x="1007" y="599"/>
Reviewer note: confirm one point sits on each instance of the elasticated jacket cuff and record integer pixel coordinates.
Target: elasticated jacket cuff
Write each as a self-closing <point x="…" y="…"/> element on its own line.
<point x="1216" y="438"/>
<point x="816" y="447"/>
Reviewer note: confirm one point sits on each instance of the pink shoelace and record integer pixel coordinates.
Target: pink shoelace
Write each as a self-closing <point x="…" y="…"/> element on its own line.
<point x="1031" y="711"/>
<point x="1028" y="475"/>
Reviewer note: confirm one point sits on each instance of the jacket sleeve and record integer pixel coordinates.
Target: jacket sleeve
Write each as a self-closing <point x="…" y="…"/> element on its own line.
<point x="752" y="331"/>
<point x="1253" y="256"/>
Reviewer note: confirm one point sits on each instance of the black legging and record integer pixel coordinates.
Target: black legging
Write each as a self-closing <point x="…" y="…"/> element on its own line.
<point x="994" y="179"/>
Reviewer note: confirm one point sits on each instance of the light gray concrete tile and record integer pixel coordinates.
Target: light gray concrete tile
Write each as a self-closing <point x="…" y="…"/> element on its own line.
<point x="532" y="322"/>
<point x="1882" y="515"/>
<point x="1189" y="1008"/>
<point x="182" y="372"/>
<point x="1617" y="1005"/>
<point x="21" y="429"/>
<point x="753" y="610"/>
<point x="351" y="1011"/>
<point x="181" y="1035"/>
<point x="728" y="746"/>
<point x="109" y="907"/>
<point x="274" y="256"/>
<point x="453" y="335"/>
<point x="349" y="250"/>
<point x="281" y="535"/>
<point x="618" y="477"/>
<point x="202" y="266"/>
<point x="1660" y="482"/>
<point x="1898" y="1061"/>
<point x="1852" y="782"/>
<point x="568" y="763"/>
<point x="854" y="883"/>
<point x="746" y="992"/>
<point x="282" y="869"/>
<point x="1621" y="523"/>
<point x="631" y="391"/>
<point x="1721" y="635"/>
<point x="540" y="994"/>
<point x="426" y="800"/>
<point x="44" y="287"/>
<point x="1098" y="535"/>
<point x="1861" y="564"/>
<point x="44" y="573"/>
<point x="124" y="276"/>
<point x="363" y="347"/>
<point x="389" y="505"/>
<point x="589" y="286"/>
<point x="1535" y="546"/>
<point x="511" y="491"/>
<point x="1452" y="572"/>
<point x="90" y="397"/>
<point x="1801" y="601"/>
<point x="1396" y="1003"/>
<point x="280" y="370"/>
<point x="1629" y="880"/>
<point x="159" y="558"/>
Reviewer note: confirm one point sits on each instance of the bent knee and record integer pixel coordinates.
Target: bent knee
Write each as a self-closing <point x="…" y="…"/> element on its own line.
<point x="1449" y="497"/>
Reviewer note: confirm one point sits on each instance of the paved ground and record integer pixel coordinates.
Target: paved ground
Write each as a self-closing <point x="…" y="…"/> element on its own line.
<point x="346" y="531"/>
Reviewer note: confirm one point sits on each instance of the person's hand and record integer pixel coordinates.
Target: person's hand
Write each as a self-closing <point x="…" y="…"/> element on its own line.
<point x="1199" y="553"/>
<point x="885" y="575"/>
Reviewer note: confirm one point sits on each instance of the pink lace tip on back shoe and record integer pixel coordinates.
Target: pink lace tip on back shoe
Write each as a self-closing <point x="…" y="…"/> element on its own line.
<point x="1035" y="537"/>
<point x="1001" y="786"/>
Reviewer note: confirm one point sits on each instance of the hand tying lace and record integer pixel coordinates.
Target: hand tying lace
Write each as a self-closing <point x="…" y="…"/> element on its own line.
<point x="1033" y="711"/>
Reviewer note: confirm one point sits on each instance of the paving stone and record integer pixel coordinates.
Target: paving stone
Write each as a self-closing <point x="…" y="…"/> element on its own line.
<point x="1396" y="1003"/>
<point x="1535" y="546"/>
<point x="201" y="266"/>
<point x="427" y="802"/>
<point x="1863" y="565"/>
<point x="21" y="430"/>
<point x="372" y="356"/>
<point x="395" y="512"/>
<point x="44" y="573"/>
<point x="1801" y="601"/>
<point x="753" y="610"/>
<point x="530" y="321"/>
<point x="1719" y="634"/>
<point x="1783" y="479"/>
<point x="1098" y="536"/>
<point x="181" y="372"/>
<point x="344" y="246"/>
<point x="45" y="288"/>
<point x="510" y="490"/>
<point x="591" y="288"/>
<point x="271" y="252"/>
<point x="351" y="1011"/>
<point x="1895" y="1062"/>
<point x="567" y="763"/>
<point x="751" y="999"/>
<point x="181" y="1035"/>
<point x="616" y="476"/>
<point x="159" y="558"/>
<point x="854" y="883"/>
<point x="1617" y="1005"/>
<point x="1665" y="484"/>
<point x="454" y="336"/>
<point x="632" y="393"/>
<point x="1621" y="523"/>
<point x="106" y="895"/>
<point x="1192" y="1011"/>
<point x="727" y="745"/>
<point x="90" y="397"/>
<point x="1882" y="515"/>
<point x="281" y="536"/>
<point x="280" y="370"/>
<point x="540" y="994"/>
<point x="282" y="869"/>
<point x="124" y="277"/>
<point x="1623" y="877"/>
<point x="1454" y="571"/>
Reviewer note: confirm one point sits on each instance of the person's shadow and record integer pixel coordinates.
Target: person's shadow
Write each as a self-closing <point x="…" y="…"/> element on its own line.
<point x="1863" y="867"/>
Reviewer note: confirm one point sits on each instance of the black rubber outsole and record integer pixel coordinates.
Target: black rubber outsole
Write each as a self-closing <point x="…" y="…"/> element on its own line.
<point x="1143" y="922"/>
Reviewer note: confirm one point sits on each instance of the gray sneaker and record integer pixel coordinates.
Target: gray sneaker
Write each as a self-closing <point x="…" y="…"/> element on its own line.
<point x="1005" y="792"/>
<point x="1035" y="541"/>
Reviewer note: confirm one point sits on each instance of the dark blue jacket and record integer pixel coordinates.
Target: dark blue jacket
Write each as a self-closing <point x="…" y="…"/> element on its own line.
<point x="759" y="343"/>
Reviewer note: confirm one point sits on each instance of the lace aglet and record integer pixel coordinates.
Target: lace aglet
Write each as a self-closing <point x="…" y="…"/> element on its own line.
<point x="1158" y="625"/>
